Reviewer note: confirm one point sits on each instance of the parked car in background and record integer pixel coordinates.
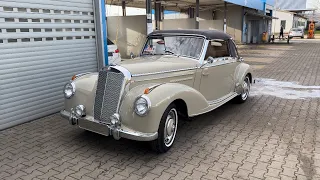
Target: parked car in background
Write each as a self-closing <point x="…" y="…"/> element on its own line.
<point x="296" y="32"/>
<point x="114" y="56"/>
<point x="179" y="74"/>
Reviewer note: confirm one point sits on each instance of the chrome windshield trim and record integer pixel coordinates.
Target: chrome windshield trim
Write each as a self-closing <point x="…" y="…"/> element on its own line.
<point x="161" y="72"/>
<point x="186" y="35"/>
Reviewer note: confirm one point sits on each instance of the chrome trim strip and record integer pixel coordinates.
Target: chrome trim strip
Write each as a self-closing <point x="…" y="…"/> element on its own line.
<point x="81" y="74"/>
<point x="133" y="135"/>
<point x="182" y="79"/>
<point x="164" y="77"/>
<point x="204" y="51"/>
<point x="161" y="72"/>
<point x="226" y="100"/>
<point x="222" y="99"/>
<point x="220" y="61"/>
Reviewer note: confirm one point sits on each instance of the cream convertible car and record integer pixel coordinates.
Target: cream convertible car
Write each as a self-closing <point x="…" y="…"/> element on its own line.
<point x="179" y="73"/>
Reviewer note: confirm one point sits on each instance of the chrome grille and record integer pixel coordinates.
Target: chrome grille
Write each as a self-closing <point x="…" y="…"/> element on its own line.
<point x="109" y="89"/>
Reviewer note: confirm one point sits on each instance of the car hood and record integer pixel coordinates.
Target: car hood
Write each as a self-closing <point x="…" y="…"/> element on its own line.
<point x="157" y="64"/>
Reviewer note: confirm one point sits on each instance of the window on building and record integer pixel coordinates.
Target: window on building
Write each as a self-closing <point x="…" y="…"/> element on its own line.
<point x="283" y="24"/>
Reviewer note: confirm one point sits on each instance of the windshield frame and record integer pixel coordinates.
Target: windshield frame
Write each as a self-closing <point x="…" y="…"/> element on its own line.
<point x="162" y="35"/>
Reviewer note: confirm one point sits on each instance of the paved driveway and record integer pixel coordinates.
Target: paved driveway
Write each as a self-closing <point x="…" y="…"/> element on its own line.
<point x="268" y="137"/>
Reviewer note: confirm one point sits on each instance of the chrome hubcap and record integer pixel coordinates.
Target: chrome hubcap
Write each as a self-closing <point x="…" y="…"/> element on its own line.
<point x="170" y="128"/>
<point x="246" y="89"/>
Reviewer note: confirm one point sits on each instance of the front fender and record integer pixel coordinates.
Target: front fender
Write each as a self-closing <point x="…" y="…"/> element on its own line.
<point x="161" y="97"/>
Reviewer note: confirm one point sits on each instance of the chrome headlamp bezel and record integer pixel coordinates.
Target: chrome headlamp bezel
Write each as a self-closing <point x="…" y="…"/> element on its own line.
<point x="80" y="111"/>
<point x="73" y="90"/>
<point x="147" y="105"/>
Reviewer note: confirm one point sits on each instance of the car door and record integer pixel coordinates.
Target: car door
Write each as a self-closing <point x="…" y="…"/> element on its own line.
<point x="217" y="76"/>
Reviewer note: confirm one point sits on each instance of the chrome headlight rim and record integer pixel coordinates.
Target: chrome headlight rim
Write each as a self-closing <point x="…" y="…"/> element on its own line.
<point x="80" y="111"/>
<point x="148" y="105"/>
<point x="73" y="90"/>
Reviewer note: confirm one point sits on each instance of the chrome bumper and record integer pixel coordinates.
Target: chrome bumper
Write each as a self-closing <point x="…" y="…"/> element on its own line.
<point x="88" y="123"/>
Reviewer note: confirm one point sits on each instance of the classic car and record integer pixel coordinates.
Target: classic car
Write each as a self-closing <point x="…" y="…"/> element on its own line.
<point x="179" y="74"/>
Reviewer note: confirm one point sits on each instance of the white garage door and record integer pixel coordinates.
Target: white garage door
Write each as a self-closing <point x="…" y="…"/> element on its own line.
<point x="42" y="44"/>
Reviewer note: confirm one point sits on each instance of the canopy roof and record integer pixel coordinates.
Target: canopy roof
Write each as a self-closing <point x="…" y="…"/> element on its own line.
<point x="209" y="34"/>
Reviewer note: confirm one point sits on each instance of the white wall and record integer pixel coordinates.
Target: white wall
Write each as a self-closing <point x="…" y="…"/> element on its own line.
<point x="282" y="15"/>
<point x="169" y="24"/>
<point x="128" y="33"/>
<point x="211" y="24"/>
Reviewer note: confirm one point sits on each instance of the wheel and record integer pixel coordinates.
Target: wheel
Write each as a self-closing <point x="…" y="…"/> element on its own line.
<point x="167" y="130"/>
<point x="241" y="98"/>
<point x="302" y="37"/>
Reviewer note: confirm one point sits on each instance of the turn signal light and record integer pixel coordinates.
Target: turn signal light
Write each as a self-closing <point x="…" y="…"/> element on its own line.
<point x="73" y="77"/>
<point x="146" y="91"/>
<point x="116" y="51"/>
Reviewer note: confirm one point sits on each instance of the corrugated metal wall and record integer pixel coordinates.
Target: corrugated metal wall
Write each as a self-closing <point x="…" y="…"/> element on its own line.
<point x="42" y="44"/>
<point x="287" y="4"/>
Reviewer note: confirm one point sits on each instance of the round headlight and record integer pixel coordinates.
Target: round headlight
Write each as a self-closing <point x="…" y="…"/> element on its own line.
<point x="142" y="105"/>
<point x="69" y="90"/>
<point x="80" y="111"/>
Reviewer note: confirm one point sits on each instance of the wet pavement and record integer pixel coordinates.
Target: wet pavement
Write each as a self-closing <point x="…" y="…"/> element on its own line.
<point x="274" y="135"/>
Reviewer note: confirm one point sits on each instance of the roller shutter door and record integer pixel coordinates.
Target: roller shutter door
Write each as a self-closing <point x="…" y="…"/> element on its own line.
<point x="42" y="44"/>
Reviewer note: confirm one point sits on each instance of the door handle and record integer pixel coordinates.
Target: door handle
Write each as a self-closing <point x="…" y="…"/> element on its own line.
<point x="205" y="72"/>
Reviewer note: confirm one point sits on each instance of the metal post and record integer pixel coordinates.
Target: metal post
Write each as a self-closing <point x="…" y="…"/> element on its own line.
<point x="124" y="13"/>
<point x="197" y="14"/>
<point x="149" y="16"/>
<point x="225" y="18"/>
<point x="275" y="20"/>
<point x="101" y="33"/>
<point x="191" y="12"/>
<point x="157" y="14"/>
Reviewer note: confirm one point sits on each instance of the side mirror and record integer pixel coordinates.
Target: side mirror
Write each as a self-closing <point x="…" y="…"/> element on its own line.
<point x="132" y="56"/>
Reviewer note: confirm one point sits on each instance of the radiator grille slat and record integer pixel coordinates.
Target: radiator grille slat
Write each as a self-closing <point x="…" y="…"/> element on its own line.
<point x="108" y="94"/>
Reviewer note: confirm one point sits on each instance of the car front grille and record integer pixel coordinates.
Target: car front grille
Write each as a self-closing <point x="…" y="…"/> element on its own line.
<point x="109" y="89"/>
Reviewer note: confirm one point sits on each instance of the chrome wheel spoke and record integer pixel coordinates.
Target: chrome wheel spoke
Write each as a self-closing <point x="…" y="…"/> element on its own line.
<point x="170" y="127"/>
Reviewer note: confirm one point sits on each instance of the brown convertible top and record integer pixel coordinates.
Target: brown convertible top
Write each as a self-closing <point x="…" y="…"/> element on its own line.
<point x="209" y="34"/>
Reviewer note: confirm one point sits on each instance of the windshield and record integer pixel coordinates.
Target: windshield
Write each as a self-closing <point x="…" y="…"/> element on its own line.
<point x="295" y="29"/>
<point x="186" y="46"/>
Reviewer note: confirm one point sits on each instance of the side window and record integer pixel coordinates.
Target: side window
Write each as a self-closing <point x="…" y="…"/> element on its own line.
<point x="233" y="49"/>
<point x="217" y="49"/>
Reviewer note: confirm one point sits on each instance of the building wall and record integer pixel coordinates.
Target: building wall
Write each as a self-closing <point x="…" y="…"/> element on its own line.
<point x="169" y="24"/>
<point x="234" y="19"/>
<point x="299" y="22"/>
<point x="283" y="16"/>
<point x="128" y="33"/>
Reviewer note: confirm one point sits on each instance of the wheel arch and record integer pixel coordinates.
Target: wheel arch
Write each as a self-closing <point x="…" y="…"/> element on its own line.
<point x="188" y="100"/>
<point x="181" y="107"/>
